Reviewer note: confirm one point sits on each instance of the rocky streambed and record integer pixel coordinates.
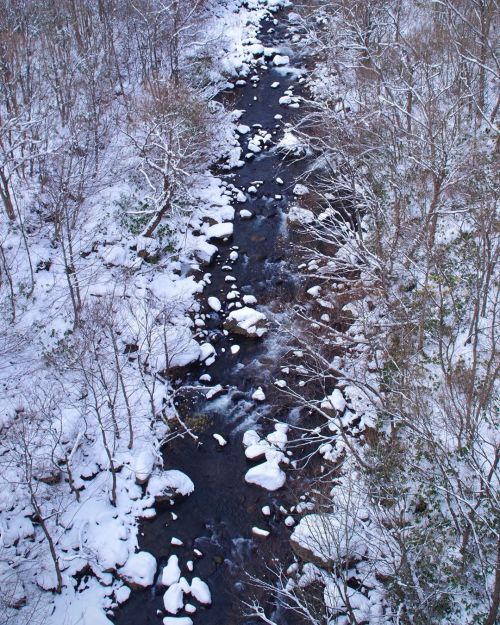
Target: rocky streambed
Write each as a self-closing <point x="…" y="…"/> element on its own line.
<point x="228" y="529"/>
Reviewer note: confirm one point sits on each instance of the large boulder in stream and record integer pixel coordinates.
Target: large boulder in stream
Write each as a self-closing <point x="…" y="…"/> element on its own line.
<point x="246" y="321"/>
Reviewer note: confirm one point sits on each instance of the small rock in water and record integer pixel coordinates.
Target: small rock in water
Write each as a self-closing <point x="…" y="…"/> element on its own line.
<point x="235" y="349"/>
<point x="214" y="391"/>
<point x="177" y="542"/>
<point x="260" y="532"/>
<point x="266" y="510"/>
<point x="220" y="439"/>
<point x="214" y="304"/>
<point x="280" y="60"/>
<point x="259" y="395"/>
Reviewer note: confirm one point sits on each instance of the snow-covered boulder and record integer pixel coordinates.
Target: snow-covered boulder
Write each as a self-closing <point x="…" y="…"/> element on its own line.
<point x="171" y="572"/>
<point x="169" y="484"/>
<point x="220" y="231"/>
<point x="246" y="321"/>
<point x="267" y="475"/>
<point x="291" y="146"/>
<point x="200" y="591"/>
<point x="280" y="60"/>
<point x="323" y="539"/>
<point x="299" y="215"/>
<point x="143" y="465"/>
<point x="139" y="570"/>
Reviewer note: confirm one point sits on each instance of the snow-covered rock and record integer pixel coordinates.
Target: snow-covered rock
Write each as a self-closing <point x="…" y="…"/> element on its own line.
<point x="220" y="231"/>
<point x="214" y="303"/>
<point x="173" y="599"/>
<point x="300" y="189"/>
<point x="139" y="570"/>
<point x="246" y="321"/>
<point x="335" y="401"/>
<point x="267" y="475"/>
<point x="250" y="437"/>
<point x="200" y="591"/>
<point x="258" y="531"/>
<point x="280" y="60"/>
<point x="322" y="540"/>
<point x="143" y="464"/>
<point x="299" y="215"/>
<point x="172" y="572"/>
<point x="259" y="394"/>
<point x="169" y="484"/>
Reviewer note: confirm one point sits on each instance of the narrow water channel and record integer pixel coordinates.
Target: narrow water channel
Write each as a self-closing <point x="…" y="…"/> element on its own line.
<point x="217" y="519"/>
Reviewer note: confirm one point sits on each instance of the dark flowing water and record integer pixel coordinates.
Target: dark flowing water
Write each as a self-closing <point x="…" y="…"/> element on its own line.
<point x="218" y="517"/>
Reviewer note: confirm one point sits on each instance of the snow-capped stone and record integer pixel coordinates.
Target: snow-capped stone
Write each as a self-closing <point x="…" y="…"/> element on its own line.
<point x="300" y="189"/>
<point x="172" y="572"/>
<point x="246" y="321"/>
<point x="214" y="303"/>
<point x="267" y="475"/>
<point x="220" y="231"/>
<point x="297" y="214"/>
<point x="260" y="532"/>
<point x="314" y="291"/>
<point x="280" y="60"/>
<point x="143" y="464"/>
<point x="139" y="570"/>
<point x="335" y="401"/>
<point x="177" y="620"/>
<point x="200" y="591"/>
<point x="250" y="300"/>
<point x="173" y="599"/>
<point x="169" y="484"/>
<point x="259" y="394"/>
<point x="250" y="437"/>
<point x="220" y="439"/>
<point x="206" y="350"/>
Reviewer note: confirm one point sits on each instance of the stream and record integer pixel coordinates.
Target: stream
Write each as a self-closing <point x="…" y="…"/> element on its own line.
<point x="217" y="519"/>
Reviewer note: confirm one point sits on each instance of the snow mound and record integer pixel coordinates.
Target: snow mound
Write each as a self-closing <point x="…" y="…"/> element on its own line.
<point x="140" y="569"/>
<point x="170" y="483"/>
<point x="219" y="231"/>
